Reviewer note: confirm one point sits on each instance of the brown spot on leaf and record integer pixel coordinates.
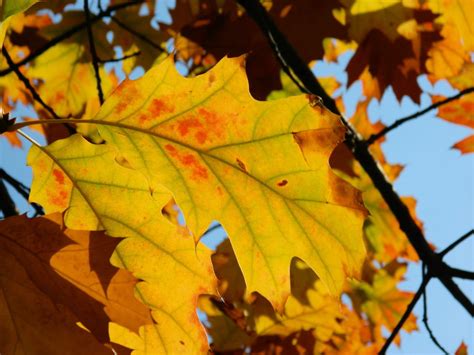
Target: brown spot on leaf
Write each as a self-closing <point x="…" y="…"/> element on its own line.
<point x="212" y="77"/>
<point x="282" y="183"/>
<point x="158" y="107"/>
<point x="241" y="165"/>
<point x="181" y="342"/>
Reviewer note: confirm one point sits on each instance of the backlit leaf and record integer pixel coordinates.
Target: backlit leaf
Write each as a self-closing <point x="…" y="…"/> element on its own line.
<point x="265" y="164"/>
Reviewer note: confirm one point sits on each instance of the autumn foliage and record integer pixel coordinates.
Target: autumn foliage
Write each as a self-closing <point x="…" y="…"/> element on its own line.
<point x="229" y="187"/>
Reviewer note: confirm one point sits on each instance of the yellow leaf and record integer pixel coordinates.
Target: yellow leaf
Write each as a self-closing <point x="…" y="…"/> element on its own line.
<point x="260" y="168"/>
<point x="72" y="91"/>
<point x="456" y="12"/>
<point x="100" y="193"/>
<point x="383" y="302"/>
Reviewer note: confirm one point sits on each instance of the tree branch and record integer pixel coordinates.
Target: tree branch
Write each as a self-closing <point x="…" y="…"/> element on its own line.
<point x="436" y="267"/>
<point x="137" y="34"/>
<point x="68" y="34"/>
<point x="456" y="243"/>
<point x="403" y="120"/>
<point x="28" y="85"/>
<point x="462" y="274"/>
<point x="405" y="315"/>
<point x="92" y="49"/>
<point x="114" y="60"/>
<point x="425" y="317"/>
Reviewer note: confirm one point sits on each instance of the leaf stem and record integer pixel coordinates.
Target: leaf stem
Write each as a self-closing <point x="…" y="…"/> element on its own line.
<point x="415" y="115"/>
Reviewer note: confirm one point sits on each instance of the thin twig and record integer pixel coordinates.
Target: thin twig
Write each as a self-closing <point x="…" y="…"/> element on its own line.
<point x="456" y="243"/>
<point x="68" y="34"/>
<point x="425" y="317"/>
<point x="95" y="58"/>
<point x="360" y="150"/>
<point x="28" y="85"/>
<point x="114" y="60"/>
<point x="403" y="120"/>
<point x="405" y="315"/>
<point x="137" y="34"/>
<point x="22" y="189"/>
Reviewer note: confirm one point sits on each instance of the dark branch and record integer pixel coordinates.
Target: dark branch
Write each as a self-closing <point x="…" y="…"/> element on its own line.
<point x="425" y="318"/>
<point x="95" y="58"/>
<point x="462" y="274"/>
<point x="114" y="60"/>
<point x="456" y="243"/>
<point x="22" y="189"/>
<point x="7" y="206"/>
<point x="360" y="150"/>
<point x="137" y="34"/>
<point x="457" y="294"/>
<point x="405" y="315"/>
<point x="68" y="34"/>
<point x="403" y="120"/>
<point x="28" y="85"/>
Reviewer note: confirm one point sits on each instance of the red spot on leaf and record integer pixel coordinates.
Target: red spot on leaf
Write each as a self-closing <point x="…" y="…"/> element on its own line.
<point x="185" y="125"/>
<point x="143" y="118"/>
<point x="198" y="172"/>
<point x="282" y="183"/>
<point x="59" y="97"/>
<point x="59" y="198"/>
<point x="205" y="125"/>
<point x="201" y="137"/>
<point x="158" y="107"/>
<point x="127" y="93"/>
<point x="58" y="176"/>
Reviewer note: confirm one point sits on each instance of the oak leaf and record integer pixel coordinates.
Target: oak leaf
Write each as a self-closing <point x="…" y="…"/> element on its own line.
<point x="264" y="164"/>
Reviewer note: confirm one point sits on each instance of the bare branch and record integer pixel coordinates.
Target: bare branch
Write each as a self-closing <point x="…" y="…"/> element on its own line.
<point x="28" y="85"/>
<point x="462" y="274"/>
<point x="114" y="60"/>
<point x="360" y="150"/>
<point x="68" y="34"/>
<point x="403" y="120"/>
<point x="456" y="243"/>
<point x="405" y="315"/>
<point x="425" y="317"/>
<point x="138" y="34"/>
<point x="92" y="49"/>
